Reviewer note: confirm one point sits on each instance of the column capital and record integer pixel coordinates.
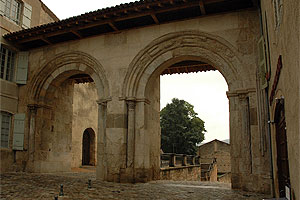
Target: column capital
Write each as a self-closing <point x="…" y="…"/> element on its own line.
<point x="103" y="102"/>
<point x="131" y="104"/>
<point x="33" y="107"/>
<point x="240" y="93"/>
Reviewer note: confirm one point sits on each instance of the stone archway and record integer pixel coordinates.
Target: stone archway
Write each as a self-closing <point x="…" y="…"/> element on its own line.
<point x="48" y="109"/>
<point x="140" y="92"/>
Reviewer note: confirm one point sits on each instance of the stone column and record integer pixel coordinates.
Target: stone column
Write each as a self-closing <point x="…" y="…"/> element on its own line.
<point x="246" y="133"/>
<point x="31" y="135"/>
<point x="236" y="139"/>
<point x="130" y="135"/>
<point x="101" y="170"/>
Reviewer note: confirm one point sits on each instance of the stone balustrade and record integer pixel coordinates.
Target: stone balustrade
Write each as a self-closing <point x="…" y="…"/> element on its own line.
<point x="177" y="160"/>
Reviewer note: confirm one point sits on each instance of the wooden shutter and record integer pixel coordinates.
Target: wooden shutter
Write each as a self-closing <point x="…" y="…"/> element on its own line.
<point x="262" y="63"/>
<point x="2" y="7"/>
<point x="19" y="129"/>
<point x="26" y="20"/>
<point x="22" y="67"/>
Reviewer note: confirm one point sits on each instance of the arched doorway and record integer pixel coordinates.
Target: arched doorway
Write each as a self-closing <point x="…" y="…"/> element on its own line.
<point x="51" y="93"/>
<point x="141" y="94"/>
<point x="88" y="147"/>
<point x="281" y="146"/>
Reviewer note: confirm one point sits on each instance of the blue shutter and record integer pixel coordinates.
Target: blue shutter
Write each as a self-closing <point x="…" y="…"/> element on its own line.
<point x="19" y="129"/>
<point x="22" y="67"/>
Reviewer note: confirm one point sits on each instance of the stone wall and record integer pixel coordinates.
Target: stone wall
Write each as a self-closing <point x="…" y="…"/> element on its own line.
<point x="225" y="178"/>
<point x="220" y="151"/>
<point x="85" y="115"/>
<point x="54" y="140"/>
<point x="184" y="173"/>
<point x="282" y="38"/>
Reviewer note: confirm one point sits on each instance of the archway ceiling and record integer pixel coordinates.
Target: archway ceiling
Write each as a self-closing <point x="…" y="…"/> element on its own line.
<point x="81" y="78"/>
<point x="122" y="17"/>
<point x="188" y="66"/>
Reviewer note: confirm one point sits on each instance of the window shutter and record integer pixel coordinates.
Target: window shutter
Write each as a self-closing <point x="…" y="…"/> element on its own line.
<point x="2" y="7"/>
<point x="22" y="67"/>
<point x="27" y="10"/>
<point x="19" y="128"/>
<point x="262" y="63"/>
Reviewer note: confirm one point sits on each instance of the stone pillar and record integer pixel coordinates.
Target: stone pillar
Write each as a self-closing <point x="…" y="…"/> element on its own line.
<point x="246" y="133"/>
<point x="239" y="129"/>
<point x="31" y="136"/>
<point x="172" y="161"/>
<point x="102" y="168"/>
<point x="130" y="150"/>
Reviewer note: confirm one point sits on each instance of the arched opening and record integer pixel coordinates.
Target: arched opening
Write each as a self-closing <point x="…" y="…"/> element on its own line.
<point x="215" y="154"/>
<point x="88" y="147"/>
<point x="141" y="88"/>
<point x="282" y="151"/>
<point x="59" y="94"/>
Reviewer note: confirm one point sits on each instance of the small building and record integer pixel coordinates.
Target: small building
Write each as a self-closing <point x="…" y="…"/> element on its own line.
<point x="219" y="150"/>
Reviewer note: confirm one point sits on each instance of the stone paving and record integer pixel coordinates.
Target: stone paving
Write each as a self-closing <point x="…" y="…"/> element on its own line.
<point x="25" y="186"/>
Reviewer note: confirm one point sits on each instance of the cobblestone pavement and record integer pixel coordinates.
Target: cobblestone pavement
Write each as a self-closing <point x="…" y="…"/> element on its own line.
<point x="46" y="186"/>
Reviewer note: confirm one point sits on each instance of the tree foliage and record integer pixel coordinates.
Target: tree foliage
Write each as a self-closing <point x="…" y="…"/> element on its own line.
<point x="181" y="129"/>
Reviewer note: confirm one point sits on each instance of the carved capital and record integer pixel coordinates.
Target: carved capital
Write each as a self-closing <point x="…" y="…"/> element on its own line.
<point x="103" y="102"/>
<point x="33" y="108"/>
<point x="131" y="104"/>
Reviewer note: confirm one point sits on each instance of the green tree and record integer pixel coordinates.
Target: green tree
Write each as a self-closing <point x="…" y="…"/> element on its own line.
<point x="181" y="129"/>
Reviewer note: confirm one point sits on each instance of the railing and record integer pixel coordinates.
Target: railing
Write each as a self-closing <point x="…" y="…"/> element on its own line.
<point x="176" y="160"/>
<point x="206" y="170"/>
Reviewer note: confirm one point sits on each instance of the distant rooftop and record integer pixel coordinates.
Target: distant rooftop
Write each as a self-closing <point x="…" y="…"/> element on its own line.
<point x="227" y="141"/>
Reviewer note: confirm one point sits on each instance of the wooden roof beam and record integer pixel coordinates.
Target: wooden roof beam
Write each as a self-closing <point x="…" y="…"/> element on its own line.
<point x="45" y="40"/>
<point x="105" y="18"/>
<point x="76" y="33"/>
<point x="155" y="18"/>
<point x="202" y="8"/>
<point x="113" y="26"/>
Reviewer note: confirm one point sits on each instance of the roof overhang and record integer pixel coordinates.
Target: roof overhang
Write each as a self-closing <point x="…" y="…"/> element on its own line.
<point x="122" y="17"/>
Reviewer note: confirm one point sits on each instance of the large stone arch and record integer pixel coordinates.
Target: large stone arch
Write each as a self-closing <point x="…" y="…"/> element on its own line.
<point x="44" y="81"/>
<point x="143" y="131"/>
<point x="64" y="63"/>
<point x="209" y="48"/>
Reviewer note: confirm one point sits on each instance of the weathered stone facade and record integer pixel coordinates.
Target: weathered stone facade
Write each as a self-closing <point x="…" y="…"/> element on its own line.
<point x="125" y="68"/>
<point x="281" y="33"/>
<point x="219" y="150"/>
<point x="9" y="92"/>
<point x="85" y="116"/>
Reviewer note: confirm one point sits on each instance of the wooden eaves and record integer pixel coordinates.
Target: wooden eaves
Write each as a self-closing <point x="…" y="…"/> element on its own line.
<point x="122" y="17"/>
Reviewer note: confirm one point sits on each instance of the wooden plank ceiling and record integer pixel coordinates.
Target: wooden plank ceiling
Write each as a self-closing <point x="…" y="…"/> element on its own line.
<point x="124" y="17"/>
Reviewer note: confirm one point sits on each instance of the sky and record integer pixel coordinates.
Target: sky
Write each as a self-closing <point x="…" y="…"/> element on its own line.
<point x="205" y="90"/>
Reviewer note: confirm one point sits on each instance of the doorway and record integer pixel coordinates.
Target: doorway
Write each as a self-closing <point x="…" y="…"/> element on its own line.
<point x="88" y="147"/>
<point x="282" y="151"/>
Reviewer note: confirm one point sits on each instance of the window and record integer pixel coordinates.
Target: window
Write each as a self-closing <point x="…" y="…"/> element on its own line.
<point x="5" y="119"/>
<point x="12" y="10"/>
<point x="7" y="62"/>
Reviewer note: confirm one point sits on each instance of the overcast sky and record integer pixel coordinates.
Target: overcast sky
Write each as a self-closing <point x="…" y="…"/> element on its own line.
<point x="205" y="90"/>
